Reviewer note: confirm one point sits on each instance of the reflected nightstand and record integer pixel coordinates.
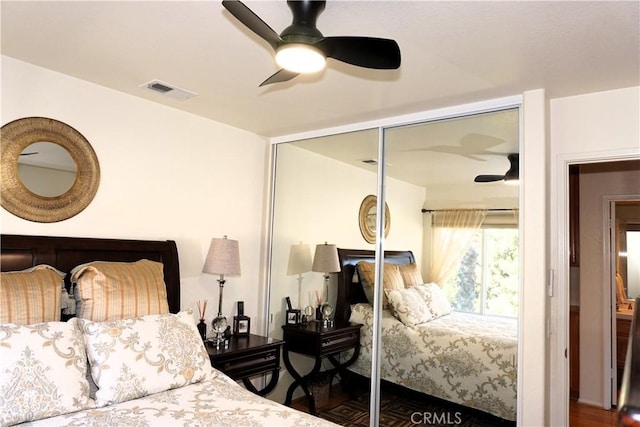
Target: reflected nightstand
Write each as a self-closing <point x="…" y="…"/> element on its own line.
<point x="313" y="340"/>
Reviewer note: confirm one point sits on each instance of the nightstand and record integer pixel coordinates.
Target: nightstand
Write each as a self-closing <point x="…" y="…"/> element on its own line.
<point x="246" y="357"/>
<point x="313" y="340"/>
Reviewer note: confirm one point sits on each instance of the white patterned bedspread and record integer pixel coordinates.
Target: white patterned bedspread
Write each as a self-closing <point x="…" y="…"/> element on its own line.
<point x="216" y="402"/>
<point x="461" y="357"/>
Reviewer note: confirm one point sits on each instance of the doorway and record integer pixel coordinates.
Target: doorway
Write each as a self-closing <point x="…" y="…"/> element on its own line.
<point x="622" y="256"/>
<point x="592" y="294"/>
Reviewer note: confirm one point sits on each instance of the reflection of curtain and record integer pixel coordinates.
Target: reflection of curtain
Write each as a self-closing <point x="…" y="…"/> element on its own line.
<point x="453" y="231"/>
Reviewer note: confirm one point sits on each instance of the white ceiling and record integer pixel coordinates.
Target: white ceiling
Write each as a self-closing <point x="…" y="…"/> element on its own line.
<point x="452" y="53"/>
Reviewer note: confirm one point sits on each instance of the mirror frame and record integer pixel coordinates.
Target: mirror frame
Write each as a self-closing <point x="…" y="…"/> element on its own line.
<point x="16" y="198"/>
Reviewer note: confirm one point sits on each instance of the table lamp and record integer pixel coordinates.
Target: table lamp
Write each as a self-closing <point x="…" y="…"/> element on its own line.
<point x="299" y="262"/>
<point x="223" y="258"/>
<point x="326" y="261"/>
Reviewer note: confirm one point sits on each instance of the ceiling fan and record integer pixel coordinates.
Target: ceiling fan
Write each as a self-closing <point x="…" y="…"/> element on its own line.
<point x="301" y="47"/>
<point x="512" y="175"/>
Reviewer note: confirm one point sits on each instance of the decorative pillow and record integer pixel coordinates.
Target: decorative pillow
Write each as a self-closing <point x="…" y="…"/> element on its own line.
<point x="407" y="306"/>
<point x="391" y="279"/>
<point x="434" y="298"/>
<point x="42" y="371"/>
<point x="132" y="358"/>
<point x="120" y="290"/>
<point x="411" y="276"/>
<point x="31" y="296"/>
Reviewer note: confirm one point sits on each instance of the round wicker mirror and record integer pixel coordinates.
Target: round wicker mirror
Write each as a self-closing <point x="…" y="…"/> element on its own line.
<point x="16" y="198"/>
<point x="367" y="218"/>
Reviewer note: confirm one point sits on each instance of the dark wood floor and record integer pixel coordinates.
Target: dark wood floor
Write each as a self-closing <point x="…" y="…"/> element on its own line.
<point x="580" y="415"/>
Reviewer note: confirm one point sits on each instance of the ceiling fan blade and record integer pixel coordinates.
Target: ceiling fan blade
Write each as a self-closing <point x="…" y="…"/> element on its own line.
<point x="368" y="52"/>
<point x="488" y="178"/>
<point x="279" y="76"/>
<point x="252" y="22"/>
<point x="513" y="174"/>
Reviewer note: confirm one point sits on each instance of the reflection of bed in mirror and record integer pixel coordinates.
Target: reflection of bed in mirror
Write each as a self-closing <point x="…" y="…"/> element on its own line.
<point x="464" y="358"/>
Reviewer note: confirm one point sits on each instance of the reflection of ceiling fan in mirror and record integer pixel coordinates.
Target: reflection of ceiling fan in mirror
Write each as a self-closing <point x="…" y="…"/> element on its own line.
<point x="29" y="154"/>
<point x="512" y="175"/>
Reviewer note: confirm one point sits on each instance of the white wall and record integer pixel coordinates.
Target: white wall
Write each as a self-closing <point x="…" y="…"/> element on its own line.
<point x="165" y="174"/>
<point x="600" y="126"/>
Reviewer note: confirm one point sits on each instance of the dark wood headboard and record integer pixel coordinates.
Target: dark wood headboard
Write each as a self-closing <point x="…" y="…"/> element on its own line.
<point x="64" y="253"/>
<point x="350" y="292"/>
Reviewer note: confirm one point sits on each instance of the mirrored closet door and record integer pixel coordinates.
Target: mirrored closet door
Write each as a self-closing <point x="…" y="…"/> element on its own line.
<point x="320" y="187"/>
<point x="453" y="192"/>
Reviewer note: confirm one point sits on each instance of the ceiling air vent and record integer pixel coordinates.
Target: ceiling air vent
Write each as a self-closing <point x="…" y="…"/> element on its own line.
<point x="168" y="90"/>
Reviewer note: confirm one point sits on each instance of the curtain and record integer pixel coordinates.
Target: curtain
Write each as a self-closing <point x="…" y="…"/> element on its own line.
<point x="453" y="231"/>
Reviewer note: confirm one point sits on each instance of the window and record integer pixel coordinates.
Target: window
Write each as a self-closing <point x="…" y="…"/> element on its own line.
<point x="487" y="279"/>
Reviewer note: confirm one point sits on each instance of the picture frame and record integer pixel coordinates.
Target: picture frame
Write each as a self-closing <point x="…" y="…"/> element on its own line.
<point x="241" y="325"/>
<point x="292" y="317"/>
<point x="240" y="308"/>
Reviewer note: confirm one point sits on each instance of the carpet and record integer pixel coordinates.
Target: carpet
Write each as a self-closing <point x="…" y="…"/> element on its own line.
<point x="399" y="410"/>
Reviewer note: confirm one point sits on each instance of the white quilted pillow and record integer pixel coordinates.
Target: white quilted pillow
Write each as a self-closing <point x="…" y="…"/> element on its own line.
<point x="42" y="371"/>
<point x="407" y="306"/>
<point x="132" y="358"/>
<point x="434" y="298"/>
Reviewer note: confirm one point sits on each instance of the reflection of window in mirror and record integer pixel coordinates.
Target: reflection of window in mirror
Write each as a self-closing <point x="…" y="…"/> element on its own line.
<point x="46" y="169"/>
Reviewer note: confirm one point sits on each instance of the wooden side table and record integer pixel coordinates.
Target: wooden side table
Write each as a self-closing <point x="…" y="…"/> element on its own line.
<point x="313" y="340"/>
<point x="246" y="357"/>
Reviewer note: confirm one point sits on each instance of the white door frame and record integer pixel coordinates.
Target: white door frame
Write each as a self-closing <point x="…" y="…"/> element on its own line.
<point x="559" y="294"/>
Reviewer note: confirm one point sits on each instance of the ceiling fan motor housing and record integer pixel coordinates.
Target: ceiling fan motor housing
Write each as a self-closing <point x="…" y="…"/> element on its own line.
<point x="303" y="27"/>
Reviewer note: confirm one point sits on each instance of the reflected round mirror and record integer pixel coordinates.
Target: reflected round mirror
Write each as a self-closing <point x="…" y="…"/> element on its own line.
<point x="46" y="169"/>
<point x="24" y="198"/>
<point x="367" y="218"/>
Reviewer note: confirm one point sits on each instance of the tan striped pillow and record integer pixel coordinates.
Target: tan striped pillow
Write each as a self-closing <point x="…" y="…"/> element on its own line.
<point x="120" y="290"/>
<point x="391" y="279"/>
<point x="31" y="296"/>
<point x="411" y="276"/>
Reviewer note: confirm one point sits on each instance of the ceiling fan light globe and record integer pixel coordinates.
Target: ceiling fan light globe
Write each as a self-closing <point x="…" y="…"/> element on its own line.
<point x="300" y="58"/>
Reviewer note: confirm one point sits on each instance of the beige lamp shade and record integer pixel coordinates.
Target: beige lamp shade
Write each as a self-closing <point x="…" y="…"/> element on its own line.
<point x="325" y="259"/>
<point x="299" y="259"/>
<point x="223" y="257"/>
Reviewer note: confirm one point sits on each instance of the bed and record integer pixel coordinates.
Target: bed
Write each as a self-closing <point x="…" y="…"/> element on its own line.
<point x="118" y="371"/>
<point x="463" y="358"/>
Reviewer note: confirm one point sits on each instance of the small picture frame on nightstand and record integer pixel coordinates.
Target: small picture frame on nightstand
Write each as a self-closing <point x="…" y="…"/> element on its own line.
<point x="241" y="325"/>
<point x="293" y="316"/>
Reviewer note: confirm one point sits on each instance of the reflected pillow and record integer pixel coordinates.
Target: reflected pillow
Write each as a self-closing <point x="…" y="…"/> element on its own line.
<point x="42" y="371"/>
<point x="411" y="276"/>
<point x="391" y="279"/>
<point x="120" y="290"/>
<point x="407" y="306"/>
<point x="434" y="298"/>
<point x="132" y="358"/>
<point x="31" y="296"/>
